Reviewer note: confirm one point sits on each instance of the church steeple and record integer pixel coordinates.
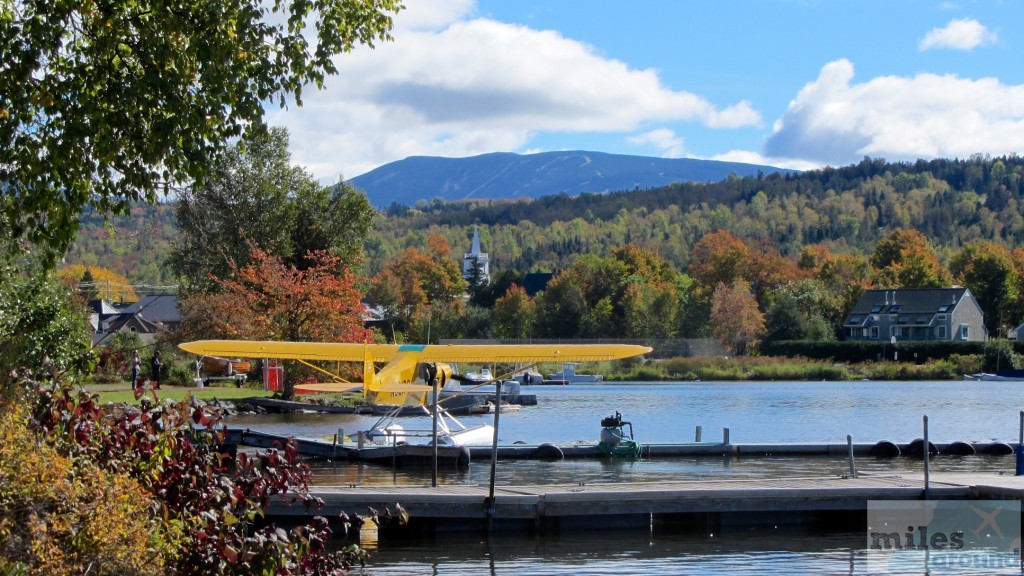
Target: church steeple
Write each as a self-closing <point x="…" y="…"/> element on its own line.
<point x="476" y="267"/>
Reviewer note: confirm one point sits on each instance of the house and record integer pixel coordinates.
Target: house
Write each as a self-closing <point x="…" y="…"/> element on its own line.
<point x="916" y="314"/>
<point x="147" y="317"/>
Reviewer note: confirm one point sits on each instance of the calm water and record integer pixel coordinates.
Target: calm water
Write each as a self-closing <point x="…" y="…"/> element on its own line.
<point x="668" y="413"/>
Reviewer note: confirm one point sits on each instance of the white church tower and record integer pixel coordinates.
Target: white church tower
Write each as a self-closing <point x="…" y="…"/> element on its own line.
<point x="476" y="260"/>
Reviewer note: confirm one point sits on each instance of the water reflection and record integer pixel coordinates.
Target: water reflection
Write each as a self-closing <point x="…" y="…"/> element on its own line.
<point x="529" y="472"/>
<point x="779" y="552"/>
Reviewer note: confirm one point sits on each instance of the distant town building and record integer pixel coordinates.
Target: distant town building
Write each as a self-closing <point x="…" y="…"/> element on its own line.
<point x="916" y="314"/>
<point x="476" y="268"/>
<point x="147" y="317"/>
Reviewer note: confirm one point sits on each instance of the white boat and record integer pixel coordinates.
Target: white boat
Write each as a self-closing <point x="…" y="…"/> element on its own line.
<point x="993" y="377"/>
<point x="450" y="432"/>
<point x="569" y="375"/>
<point x="484" y="375"/>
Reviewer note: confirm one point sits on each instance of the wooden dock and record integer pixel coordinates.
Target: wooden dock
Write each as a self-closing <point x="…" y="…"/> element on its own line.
<point x="702" y="505"/>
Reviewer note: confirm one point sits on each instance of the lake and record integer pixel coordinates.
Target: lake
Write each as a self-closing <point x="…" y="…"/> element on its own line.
<point x="668" y="413"/>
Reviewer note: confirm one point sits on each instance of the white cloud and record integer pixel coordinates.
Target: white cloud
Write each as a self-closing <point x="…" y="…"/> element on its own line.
<point x="475" y="86"/>
<point x="962" y="34"/>
<point x="666" y="141"/>
<point x="834" y="121"/>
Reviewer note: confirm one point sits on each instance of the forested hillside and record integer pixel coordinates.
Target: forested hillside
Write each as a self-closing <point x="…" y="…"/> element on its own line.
<point x="847" y="209"/>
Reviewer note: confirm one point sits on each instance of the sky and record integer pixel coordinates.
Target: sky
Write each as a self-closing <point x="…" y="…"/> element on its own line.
<point x="789" y="83"/>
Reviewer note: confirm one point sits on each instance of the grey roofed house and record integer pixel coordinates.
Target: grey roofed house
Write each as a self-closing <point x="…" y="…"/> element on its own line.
<point x="147" y="317"/>
<point x="916" y="314"/>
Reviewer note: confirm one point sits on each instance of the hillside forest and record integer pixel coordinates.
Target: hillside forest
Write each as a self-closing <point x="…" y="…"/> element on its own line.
<point x="787" y="255"/>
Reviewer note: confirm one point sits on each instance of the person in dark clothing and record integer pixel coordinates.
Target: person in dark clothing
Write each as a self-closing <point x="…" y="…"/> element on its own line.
<point x="155" y="365"/>
<point x="136" y="366"/>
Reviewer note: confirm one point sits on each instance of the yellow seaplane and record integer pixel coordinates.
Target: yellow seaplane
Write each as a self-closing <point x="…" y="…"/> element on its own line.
<point x="411" y="373"/>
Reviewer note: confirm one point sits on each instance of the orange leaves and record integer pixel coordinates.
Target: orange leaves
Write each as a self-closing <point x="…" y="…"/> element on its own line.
<point x="270" y="300"/>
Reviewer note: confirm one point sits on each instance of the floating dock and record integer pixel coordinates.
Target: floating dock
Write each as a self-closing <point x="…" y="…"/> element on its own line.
<point x="710" y="506"/>
<point x="411" y="455"/>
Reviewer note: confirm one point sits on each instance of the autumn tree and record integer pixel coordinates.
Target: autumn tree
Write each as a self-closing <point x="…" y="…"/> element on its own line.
<point x="905" y="259"/>
<point x="103" y="283"/>
<point x="109" y="104"/>
<point x="414" y="280"/>
<point x="271" y="300"/>
<point x="255" y="197"/>
<point x="514" y="314"/>
<point x="736" y="321"/>
<point x="987" y="269"/>
<point x="719" y="258"/>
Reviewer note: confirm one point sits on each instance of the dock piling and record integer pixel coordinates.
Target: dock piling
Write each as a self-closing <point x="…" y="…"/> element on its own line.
<point x="849" y="448"/>
<point x="696" y="436"/>
<point x="1020" y="446"/>
<point x="927" y="455"/>
<point x="725" y="435"/>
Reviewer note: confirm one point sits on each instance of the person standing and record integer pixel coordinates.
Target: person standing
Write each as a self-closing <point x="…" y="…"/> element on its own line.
<point x="154" y="365"/>
<point x="136" y="366"/>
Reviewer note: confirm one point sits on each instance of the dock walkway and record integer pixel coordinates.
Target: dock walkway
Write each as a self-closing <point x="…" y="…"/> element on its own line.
<point x="698" y="504"/>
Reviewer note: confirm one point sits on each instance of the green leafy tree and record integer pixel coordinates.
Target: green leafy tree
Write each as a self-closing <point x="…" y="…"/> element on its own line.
<point x="105" y="104"/>
<point x="651" y="310"/>
<point x="987" y="269"/>
<point x="785" y="320"/>
<point x="514" y="314"/>
<point x="255" y="198"/>
<point x="42" y="326"/>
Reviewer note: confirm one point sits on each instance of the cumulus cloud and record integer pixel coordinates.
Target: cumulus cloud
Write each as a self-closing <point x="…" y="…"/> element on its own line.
<point x="667" y="142"/>
<point x="835" y="121"/>
<point x="962" y="34"/>
<point x="474" y="85"/>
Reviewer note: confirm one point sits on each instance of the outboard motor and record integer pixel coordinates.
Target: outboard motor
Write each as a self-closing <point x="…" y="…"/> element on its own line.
<point x="612" y="430"/>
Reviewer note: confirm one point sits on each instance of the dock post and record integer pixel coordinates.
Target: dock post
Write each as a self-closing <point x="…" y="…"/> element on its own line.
<point x="849" y="448"/>
<point x="927" y="453"/>
<point x="725" y="435"/>
<point x="1020" y="446"/>
<point x="494" y="457"/>
<point x="433" y="477"/>
<point x="696" y="436"/>
<point x="360" y="439"/>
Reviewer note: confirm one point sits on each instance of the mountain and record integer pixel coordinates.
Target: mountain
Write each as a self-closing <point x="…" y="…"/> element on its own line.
<point x="507" y="175"/>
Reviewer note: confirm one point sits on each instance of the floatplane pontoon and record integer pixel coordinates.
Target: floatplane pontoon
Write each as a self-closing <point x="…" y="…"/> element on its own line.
<point x="411" y="374"/>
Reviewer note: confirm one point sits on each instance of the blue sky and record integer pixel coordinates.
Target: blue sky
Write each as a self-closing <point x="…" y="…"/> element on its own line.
<point x="791" y="83"/>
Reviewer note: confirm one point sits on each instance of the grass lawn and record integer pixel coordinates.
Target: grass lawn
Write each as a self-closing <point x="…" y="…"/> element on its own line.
<point x="124" y="394"/>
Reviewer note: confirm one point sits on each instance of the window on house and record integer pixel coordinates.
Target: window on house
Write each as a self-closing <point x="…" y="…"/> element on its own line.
<point x="874" y="332"/>
<point x="876" y="309"/>
<point x="944" y="308"/>
<point x="940" y="332"/>
<point x="895" y="308"/>
<point x="941" y="317"/>
<point x="965" y="331"/>
<point x="904" y="318"/>
<point x="922" y="319"/>
<point x="856" y="319"/>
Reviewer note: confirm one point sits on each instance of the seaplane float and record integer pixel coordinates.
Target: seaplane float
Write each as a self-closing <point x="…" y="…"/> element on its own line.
<point x="412" y="376"/>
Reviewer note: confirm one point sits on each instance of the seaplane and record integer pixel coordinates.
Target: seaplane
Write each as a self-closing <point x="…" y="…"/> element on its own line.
<point x="411" y="374"/>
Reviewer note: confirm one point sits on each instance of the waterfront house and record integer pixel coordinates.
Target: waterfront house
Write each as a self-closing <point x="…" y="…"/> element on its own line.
<point x="916" y="314"/>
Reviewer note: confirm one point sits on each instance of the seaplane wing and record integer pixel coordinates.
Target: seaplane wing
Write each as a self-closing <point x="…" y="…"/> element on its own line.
<point x="314" y="351"/>
<point x="401" y="381"/>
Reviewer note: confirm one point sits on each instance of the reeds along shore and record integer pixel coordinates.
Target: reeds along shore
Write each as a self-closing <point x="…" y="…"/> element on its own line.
<point x="779" y="369"/>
